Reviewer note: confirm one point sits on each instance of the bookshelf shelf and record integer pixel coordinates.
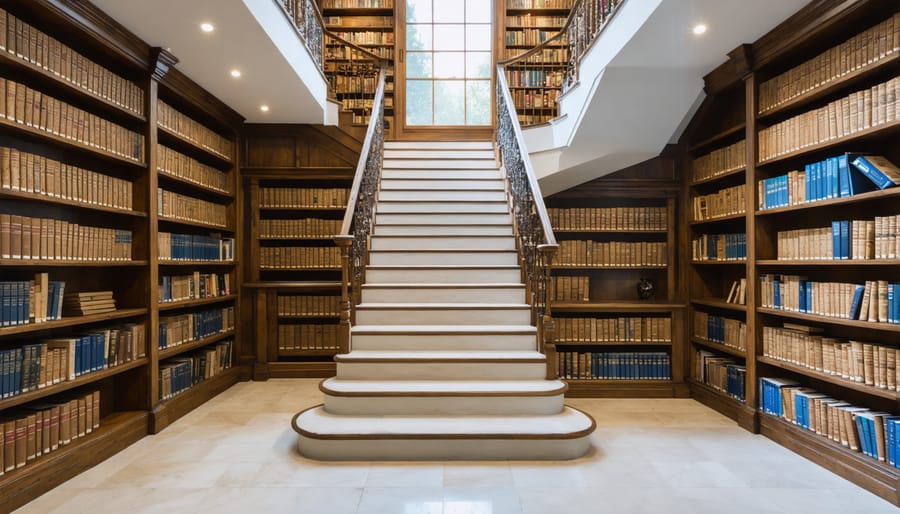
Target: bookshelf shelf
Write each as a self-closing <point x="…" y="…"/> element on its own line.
<point x="321" y="268"/>
<point x="194" y="185"/>
<point x="88" y="378"/>
<point x="195" y="263"/>
<point x="196" y="224"/>
<point x="882" y="131"/>
<point x="719" y="138"/>
<point x="305" y="238"/>
<point x="831" y="379"/>
<point x="845" y="82"/>
<point x="740" y="262"/>
<point x="39" y="75"/>
<point x="116" y="432"/>
<point x="188" y="147"/>
<point x="357" y="11"/>
<point x="637" y="268"/>
<point x="165" y="353"/>
<point x="718" y="303"/>
<point x="40" y="136"/>
<point x="883" y="327"/>
<point x="719" y="177"/>
<point x="872" y="196"/>
<point x="719" y="219"/>
<point x="561" y="342"/>
<point x="72" y="321"/>
<point x="718" y="347"/>
<point x="303" y="208"/>
<point x="35" y="197"/>
<point x="294" y="286"/>
<point x="168" y="306"/>
<point x="829" y="262"/>
<point x="617" y="306"/>
<point x="168" y="411"/>
<point x="59" y="263"/>
<point x="607" y="231"/>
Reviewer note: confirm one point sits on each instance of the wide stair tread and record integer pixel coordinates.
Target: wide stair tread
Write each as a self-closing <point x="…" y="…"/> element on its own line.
<point x="341" y="387"/>
<point x="469" y="356"/>
<point x="444" y="329"/>
<point x="438" y="145"/>
<point x="441" y="306"/>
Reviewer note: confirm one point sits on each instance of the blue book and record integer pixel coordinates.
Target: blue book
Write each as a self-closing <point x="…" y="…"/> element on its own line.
<point x="808" y="171"/>
<point x="833" y="178"/>
<point x="845" y="239"/>
<point x="777" y="294"/>
<point x="809" y="295"/>
<point x="836" y="240"/>
<point x="802" y="303"/>
<point x="855" y="305"/>
<point x="897" y="303"/>
<point x="889" y="439"/>
<point x="882" y="172"/>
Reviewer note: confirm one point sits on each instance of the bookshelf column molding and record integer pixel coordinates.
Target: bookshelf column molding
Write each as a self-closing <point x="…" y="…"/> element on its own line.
<point x="750" y="415"/>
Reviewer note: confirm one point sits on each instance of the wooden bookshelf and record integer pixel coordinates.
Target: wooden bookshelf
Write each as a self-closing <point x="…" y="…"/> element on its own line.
<point x="761" y="86"/>
<point x="168" y="411"/>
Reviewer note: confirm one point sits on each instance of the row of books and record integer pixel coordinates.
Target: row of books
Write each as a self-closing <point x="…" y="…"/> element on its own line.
<point x="571" y="289"/>
<point x="844" y="240"/>
<point x="738" y="292"/>
<point x="184" y="328"/>
<point x="191" y="130"/>
<point x="347" y="53"/>
<point x="864" y="49"/>
<point x="533" y="119"/>
<point x="535" y="99"/>
<point x="854" y="427"/>
<point x="176" y="164"/>
<point x="613" y="254"/>
<point x="190" y="247"/>
<point x="87" y="303"/>
<point x="720" y="161"/>
<point x="622" y="219"/>
<point x="24" y="237"/>
<point x="179" y="288"/>
<point x="876" y="301"/>
<point x="722" y="374"/>
<point x="341" y="4"/>
<point x="42" y="50"/>
<point x="528" y="20"/>
<point x="43" y="428"/>
<point x="187" y="208"/>
<point x="546" y="55"/>
<point x="357" y="103"/>
<point x="313" y="336"/>
<point x="360" y="21"/>
<point x="39" y="111"/>
<point x="304" y="257"/>
<point x="529" y="36"/>
<point x="614" y="365"/>
<point x="835" y="177"/>
<point x="719" y="247"/>
<point x="348" y="84"/>
<point x="289" y="197"/>
<point x="368" y="37"/>
<point x="853" y="113"/>
<point x="32" y="173"/>
<point x="722" y="330"/>
<point x="724" y="202"/>
<point x="626" y="329"/>
<point x="299" y="229"/>
<point x="540" y="4"/>
<point x="179" y="374"/>
<point x="856" y="361"/>
<point x="309" y="305"/>
<point x="535" y="78"/>
<point x="30" y="301"/>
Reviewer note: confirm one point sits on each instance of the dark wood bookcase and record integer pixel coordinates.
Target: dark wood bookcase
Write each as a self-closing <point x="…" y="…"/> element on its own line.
<point x="765" y="95"/>
<point x="618" y="216"/>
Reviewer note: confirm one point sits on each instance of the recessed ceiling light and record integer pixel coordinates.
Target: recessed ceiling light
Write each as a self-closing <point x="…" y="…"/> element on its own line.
<point x="264" y="108"/>
<point x="699" y="29"/>
<point x="207" y="27"/>
<point x="236" y="73"/>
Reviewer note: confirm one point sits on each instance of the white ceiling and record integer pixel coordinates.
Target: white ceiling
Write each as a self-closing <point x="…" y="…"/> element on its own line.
<point x="250" y="35"/>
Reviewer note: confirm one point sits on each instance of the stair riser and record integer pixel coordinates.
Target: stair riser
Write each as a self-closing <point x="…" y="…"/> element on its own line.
<point x="442" y="185"/>
<point x="435" y="258"/>
<point x="441" y="219"/>
<point x="442" y="207"/>
<point x="495" y="196"/>
<point x="441" y="276"/>
<point x="444" y="243"/>
<point x="375" y="316"/>
<point x="448" y="164"/>
<point x="440" y="174"/>
<point x="441" y="371"/>
<point x="391" y="449"/>
<point x="444" y="405"/>
<point x="449" y="342"/>
<point x="442" y="230"/>
<point x="438" y="145"/>
<point x="443" y="295"/>
<point x="438" y="154"/>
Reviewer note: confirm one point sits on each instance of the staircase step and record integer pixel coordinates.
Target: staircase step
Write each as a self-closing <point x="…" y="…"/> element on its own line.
<point x="442" y="164"/>
<point x="435" y="365"/>
<point x="410" y="205"/>
<point x="443" y="230"/>
<point x="443" y="314"/>
<point x="441" y="195"/>
<point x="443" y="293"/>
<point x="431" y="242"/>
<point x="443" y="337"/>
<point x="443" y="274"/>
<point x="436" y="153"/>
<point x="438" y="145"/>
<point x="327" y="436"/>
<point x="441" y="174"/>
<point x="428" y="218"/>
<point x="496" y="184"/>
<point x="443" y="398"/>
<point x="443" y="256"/>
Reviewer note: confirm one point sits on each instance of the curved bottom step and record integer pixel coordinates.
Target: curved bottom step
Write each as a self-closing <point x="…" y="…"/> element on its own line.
<point x="325" y="436"/>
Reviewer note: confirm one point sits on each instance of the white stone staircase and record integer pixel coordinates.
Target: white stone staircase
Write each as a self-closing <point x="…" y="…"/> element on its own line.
<point x="443" y="362"/>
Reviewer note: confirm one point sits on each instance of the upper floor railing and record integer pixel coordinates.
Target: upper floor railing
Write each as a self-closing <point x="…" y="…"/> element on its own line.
<point x="305" y="16"/>
<point x="540" y="76"/>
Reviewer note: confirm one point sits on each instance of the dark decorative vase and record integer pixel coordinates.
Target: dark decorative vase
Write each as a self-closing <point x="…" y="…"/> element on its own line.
<point x="645" y="289"/>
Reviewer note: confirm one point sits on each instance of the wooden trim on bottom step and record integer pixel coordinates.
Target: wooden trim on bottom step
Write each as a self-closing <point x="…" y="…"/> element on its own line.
<point x="301" y="369"/>
<point x="866" y="472"/>
<point x="356" y="437"/>
<point x="167" y="412"/>
<point x="418" y="394"/>
<point x="116" y="432"/>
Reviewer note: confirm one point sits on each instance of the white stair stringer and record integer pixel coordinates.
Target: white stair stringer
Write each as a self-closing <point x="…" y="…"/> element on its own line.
<point x="444" y="361"/>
